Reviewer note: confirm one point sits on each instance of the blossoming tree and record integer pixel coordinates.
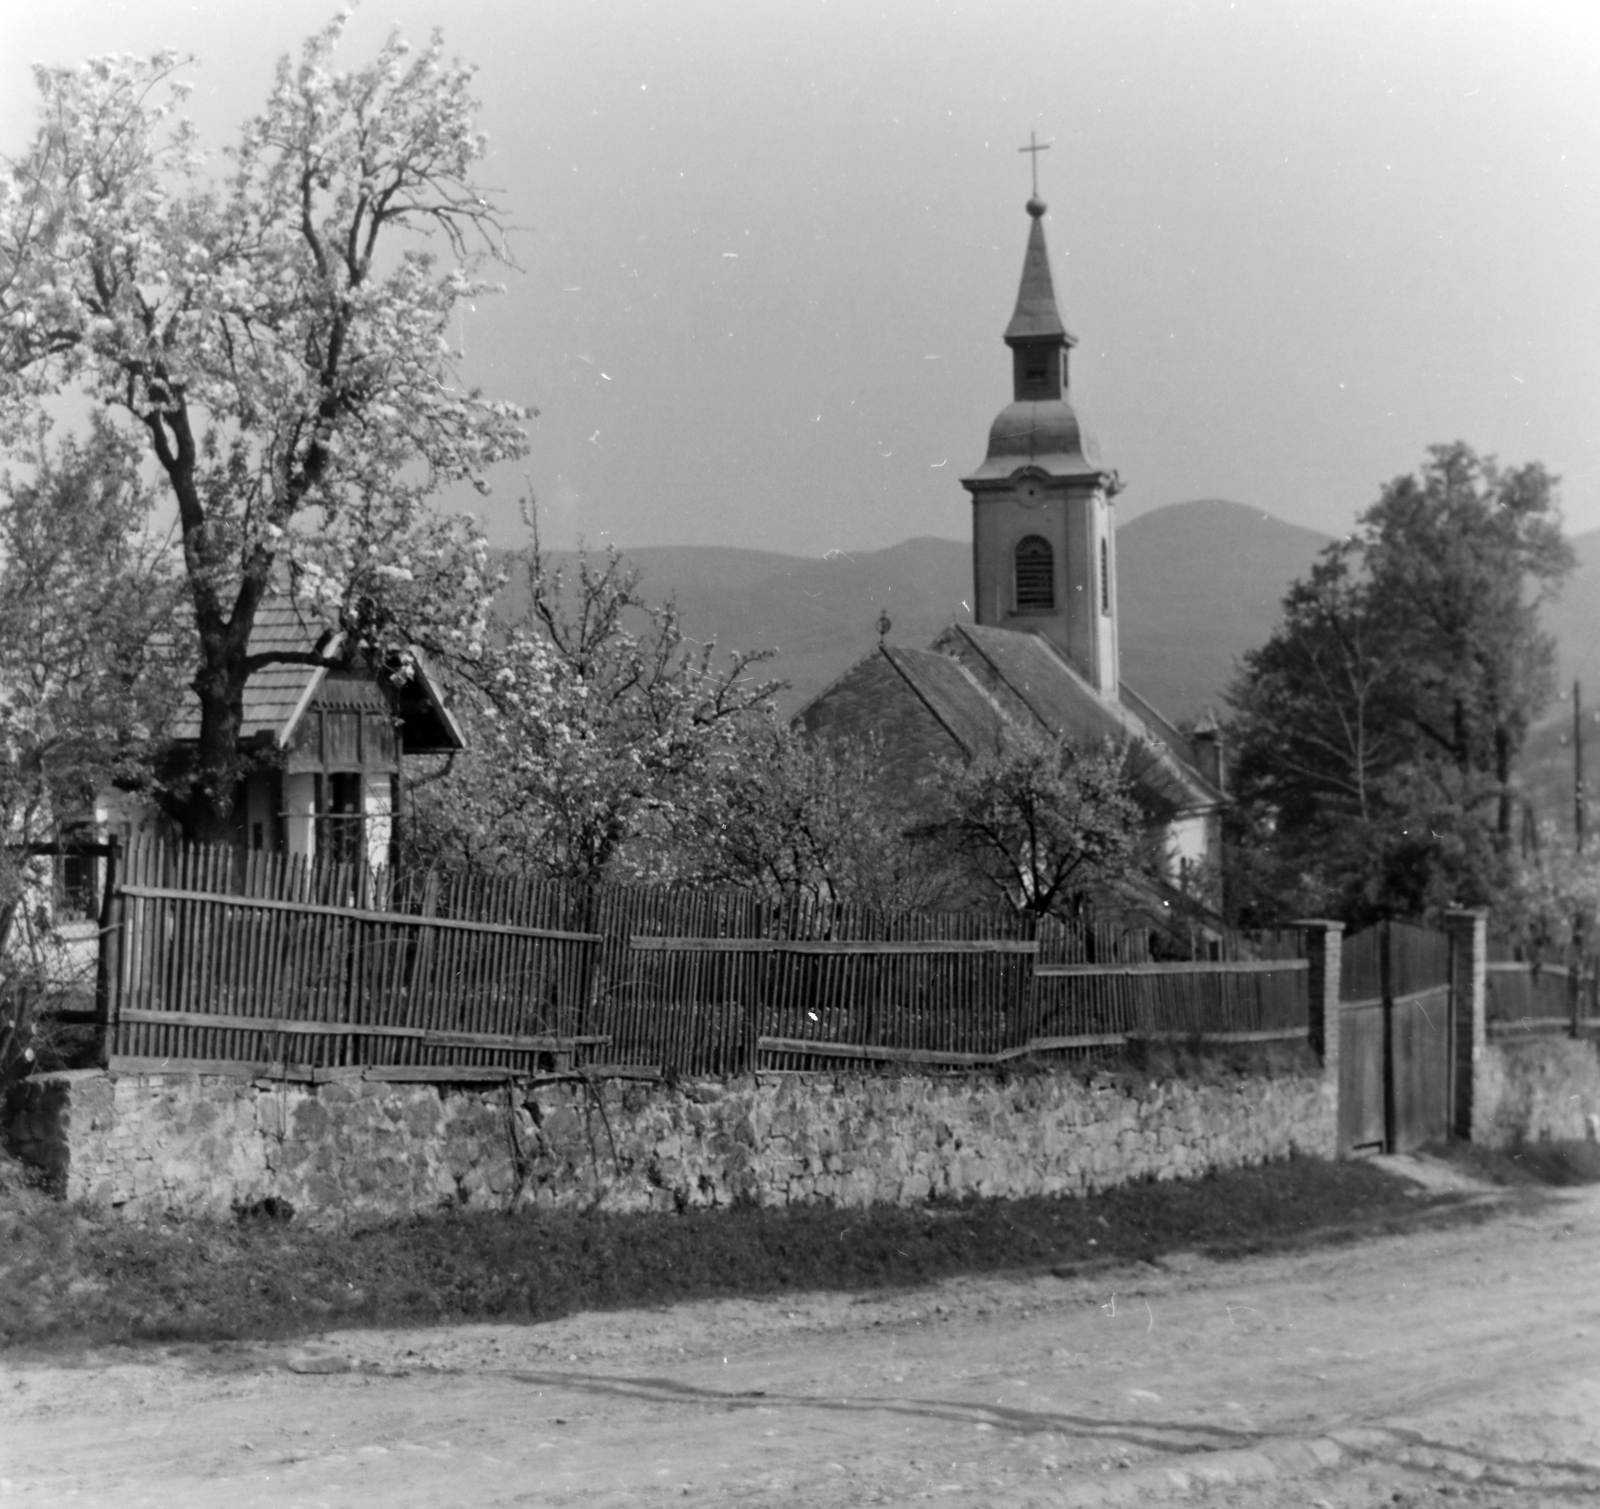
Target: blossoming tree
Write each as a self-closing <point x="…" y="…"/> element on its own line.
<point x="600" y="734"/>
<point x="277" y="336"/>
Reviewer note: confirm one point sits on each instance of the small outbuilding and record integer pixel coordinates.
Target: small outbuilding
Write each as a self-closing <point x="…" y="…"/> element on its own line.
<point x="328" y="741"/>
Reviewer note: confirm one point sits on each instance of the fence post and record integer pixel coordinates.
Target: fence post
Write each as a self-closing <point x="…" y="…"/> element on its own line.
<point x="108" y="957"/>
<point x="1468" y="928"/>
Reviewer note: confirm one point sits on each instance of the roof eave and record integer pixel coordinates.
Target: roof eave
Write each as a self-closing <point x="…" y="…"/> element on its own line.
<point x="1060" y="465"/>
<point x="285" y="734"/>
<point x="424" y="676"/>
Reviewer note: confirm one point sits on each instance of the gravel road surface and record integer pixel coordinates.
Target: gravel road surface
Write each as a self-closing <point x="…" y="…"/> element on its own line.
<point x="1444" y="1366"/>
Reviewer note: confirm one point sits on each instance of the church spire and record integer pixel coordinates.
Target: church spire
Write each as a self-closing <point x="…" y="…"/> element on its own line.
<point x="1035" y="317"/>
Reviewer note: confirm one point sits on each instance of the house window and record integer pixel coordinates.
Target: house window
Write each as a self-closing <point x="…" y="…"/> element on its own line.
<point x="1036" y="575"/>
<point x="75" y="875"/>
<point x="1105" y="577"/>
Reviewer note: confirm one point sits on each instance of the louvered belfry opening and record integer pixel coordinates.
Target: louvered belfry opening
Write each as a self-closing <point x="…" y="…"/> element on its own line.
<point x="1036" y="575"/>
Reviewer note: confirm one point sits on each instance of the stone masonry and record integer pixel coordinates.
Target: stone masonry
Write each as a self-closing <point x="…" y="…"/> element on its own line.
<point x="360" y="1151"/>
<point x="1536" y="1088"/>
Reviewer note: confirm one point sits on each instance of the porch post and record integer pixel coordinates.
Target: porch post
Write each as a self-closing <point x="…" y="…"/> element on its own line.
<point x="1468" y="928"/>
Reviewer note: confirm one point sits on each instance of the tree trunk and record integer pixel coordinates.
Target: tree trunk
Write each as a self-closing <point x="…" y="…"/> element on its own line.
<point x="210" y="808"/>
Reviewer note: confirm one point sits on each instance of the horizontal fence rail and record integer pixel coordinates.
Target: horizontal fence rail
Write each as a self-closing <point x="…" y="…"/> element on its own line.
<point x="1201" y="967"/>
<point x="1541" y="997"/>
<point x="288" y="971"/>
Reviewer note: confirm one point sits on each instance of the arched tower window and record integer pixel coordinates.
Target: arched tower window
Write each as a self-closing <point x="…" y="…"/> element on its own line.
<point x="1036" y="575"/>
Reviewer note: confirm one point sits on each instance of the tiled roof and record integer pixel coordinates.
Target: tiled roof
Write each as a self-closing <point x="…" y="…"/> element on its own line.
<point x="952" y="695"/>
<point x="1038" y="677"/>
<point x="977" y="681"/>
<point x="1054" y="693"/>
<point x="271" y="696"/>
<point x="1158" y="725"/>
<point x="275" y="696"/>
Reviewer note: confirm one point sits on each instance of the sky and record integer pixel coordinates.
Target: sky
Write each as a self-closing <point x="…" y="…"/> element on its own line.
<point x="766" y="248"/>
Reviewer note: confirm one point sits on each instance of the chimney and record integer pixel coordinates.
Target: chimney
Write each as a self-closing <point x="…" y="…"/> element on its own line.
<point x="1206" y="741"/>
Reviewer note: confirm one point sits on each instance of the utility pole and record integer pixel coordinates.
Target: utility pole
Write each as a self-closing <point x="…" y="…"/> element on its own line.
<point x="1578" y="803"/>
<point x="1577" y="981"/>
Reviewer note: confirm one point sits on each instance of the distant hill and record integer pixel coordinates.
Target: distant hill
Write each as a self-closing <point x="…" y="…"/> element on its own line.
<point x="1200" y="583"/>
<point x="818" y="616"/>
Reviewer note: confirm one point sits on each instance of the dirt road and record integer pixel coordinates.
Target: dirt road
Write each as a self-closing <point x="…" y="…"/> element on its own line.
<point x="1458" y="1366"/>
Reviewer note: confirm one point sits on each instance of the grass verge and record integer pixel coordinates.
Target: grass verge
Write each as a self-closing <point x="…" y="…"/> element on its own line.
<point x="71" y="1278"/>
<point x="1560" y="1163"/>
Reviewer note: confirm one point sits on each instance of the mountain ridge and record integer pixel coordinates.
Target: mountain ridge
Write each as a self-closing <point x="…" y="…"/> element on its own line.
<point x="1199" y="583"/>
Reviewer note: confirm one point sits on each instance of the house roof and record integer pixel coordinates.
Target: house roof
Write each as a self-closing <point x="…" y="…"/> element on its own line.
<point x="276" y="697"/>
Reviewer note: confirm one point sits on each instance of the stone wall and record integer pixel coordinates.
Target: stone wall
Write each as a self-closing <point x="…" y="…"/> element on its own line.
<point x="1536" y="1088"/>
<point x="363" y="1151"/>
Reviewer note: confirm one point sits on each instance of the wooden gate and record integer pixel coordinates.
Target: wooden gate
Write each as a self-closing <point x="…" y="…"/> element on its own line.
<point x="1363" y="1121"/>
<point x="1395" y="1059"/>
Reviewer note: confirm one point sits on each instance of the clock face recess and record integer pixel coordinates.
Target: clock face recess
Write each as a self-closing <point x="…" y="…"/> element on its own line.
<point x="1032" y="494"/>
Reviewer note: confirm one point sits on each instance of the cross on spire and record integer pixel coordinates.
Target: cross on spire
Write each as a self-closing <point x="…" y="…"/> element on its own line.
<point x="1035" y="147"/>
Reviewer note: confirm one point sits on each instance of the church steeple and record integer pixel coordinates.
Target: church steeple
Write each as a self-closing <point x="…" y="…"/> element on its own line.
<point x="1044" y="551"/>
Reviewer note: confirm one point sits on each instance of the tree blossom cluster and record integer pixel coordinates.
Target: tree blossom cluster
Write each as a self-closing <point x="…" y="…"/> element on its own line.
<point x="598" y="732"/>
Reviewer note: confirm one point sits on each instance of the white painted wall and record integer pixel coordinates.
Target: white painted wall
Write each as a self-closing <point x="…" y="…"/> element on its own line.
<point x="378" y="806"/>
<point x="300" y="806"/>
<point x="1188" y="840"/>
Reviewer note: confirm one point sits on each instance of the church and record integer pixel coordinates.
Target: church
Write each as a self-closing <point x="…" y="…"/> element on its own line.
<point x="1042" y="648"/>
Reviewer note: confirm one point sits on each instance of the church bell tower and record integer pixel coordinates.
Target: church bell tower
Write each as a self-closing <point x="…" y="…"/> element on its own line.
<point x="1044" y="553"/>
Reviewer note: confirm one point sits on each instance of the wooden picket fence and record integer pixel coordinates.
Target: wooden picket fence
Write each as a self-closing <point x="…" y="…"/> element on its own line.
<point x="226" y="959"/>
<point x="726" y="980"/>
<point x="1541" y="998"/>
<point x="253" y="963"/>
<point x="1100" y="986"/>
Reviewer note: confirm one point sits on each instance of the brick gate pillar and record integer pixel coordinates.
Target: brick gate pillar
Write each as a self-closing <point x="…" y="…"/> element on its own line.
<point x="1468" y="928"/>
<point x="1324" y="953"/>
<point x="1324" y="939"/>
